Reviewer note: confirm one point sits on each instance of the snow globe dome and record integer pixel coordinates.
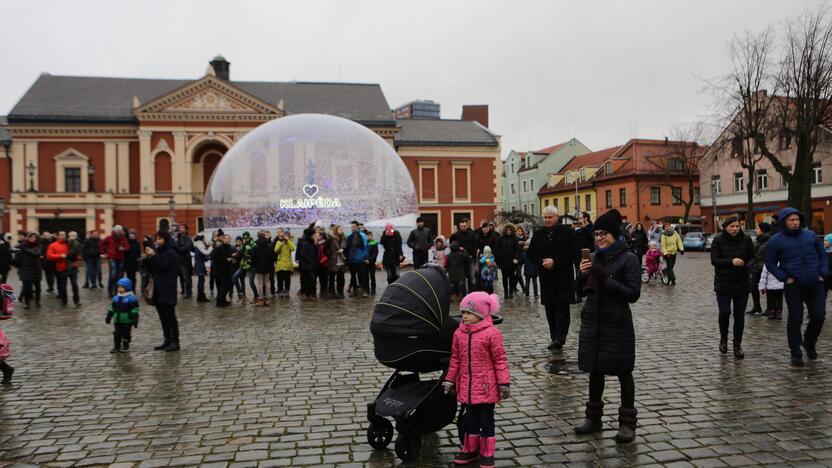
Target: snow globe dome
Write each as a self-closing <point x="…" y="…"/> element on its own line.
<point x="307" y="168"/>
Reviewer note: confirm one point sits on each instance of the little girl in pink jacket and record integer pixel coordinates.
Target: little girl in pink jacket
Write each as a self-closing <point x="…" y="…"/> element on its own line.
<point x="479" y="375"/>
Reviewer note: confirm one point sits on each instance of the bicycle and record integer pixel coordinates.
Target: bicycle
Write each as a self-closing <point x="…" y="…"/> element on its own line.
<point x="646" y="277"/>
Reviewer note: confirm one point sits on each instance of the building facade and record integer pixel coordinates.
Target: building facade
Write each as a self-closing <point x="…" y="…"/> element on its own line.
<point x="571" y="189"/>
<point x="639" y="189"/>
<point x="721" y="169"/>
<point x="526" y="173"/>
<point x="421" y="109"/>
<point x="87" y="153"/>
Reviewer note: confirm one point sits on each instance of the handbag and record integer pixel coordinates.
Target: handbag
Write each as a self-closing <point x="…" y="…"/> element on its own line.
<point x="148" y="291"/>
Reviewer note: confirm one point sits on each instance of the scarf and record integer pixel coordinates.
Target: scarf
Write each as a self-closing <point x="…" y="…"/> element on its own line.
<point x="617" y="243"/>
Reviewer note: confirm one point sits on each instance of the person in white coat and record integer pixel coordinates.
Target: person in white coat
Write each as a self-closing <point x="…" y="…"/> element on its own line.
<point x="772" y="288"/>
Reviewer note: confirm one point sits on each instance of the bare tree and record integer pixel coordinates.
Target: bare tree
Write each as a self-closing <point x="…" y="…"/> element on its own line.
<point x="680" y="162"/>
<point x="517" y="217"/>
<point x="764" y="105"/>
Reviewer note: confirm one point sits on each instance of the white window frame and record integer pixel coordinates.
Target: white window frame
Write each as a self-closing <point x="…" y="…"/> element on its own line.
<point x="71" y="158"/>
<point x="739" y="182"/>
<point x="429" y="165"/>
<point x="762" y="179"/>
<point x="461" y="165"/>
<point x="718" y="181"/>
<point x="817" y="173"/>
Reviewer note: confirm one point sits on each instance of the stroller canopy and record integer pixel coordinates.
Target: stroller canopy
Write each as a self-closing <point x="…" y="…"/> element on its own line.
<point x="411" y="327"/>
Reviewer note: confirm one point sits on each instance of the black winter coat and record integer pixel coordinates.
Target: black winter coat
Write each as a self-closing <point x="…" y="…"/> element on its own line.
<point x="759" y="248"/>
<point x="220" y="264"/>
<point x="262" y="254"/>
<point x="729" y="278"/>
<point x="184" y="247"/>
<point x="467" y="240"/>
<point x="457" y="266"/>
<point x="132" y="256"/>
<point x="91" y="248"/>
<point x="164" y="267"/>
<point x="29" y="258"/>
<point x="507" y="250"/>
<point x="557" y="243"/>
<point x="607" y="341"/>
<point x="584" y="239"/>
<point x="307" y="255"/>
<point x="5" y="257"/>
<point x="392" y="249"/>
<point x="638" y="240"/>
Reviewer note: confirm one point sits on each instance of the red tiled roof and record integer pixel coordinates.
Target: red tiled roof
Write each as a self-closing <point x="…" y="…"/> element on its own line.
<point x="589" y="159"/>
<point x="552" y="149"/>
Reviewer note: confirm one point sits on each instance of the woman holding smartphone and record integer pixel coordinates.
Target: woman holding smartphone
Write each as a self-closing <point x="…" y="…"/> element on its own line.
<point x="611" y="281"/>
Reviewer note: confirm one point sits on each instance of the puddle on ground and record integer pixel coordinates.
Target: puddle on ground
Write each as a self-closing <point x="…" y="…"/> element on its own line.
<point x="555" y="365"/>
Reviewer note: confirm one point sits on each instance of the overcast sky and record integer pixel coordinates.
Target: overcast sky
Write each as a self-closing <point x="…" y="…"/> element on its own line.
<point x="610" y="70"/>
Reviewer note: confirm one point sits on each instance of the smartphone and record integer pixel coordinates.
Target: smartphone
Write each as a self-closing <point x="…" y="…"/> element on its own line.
<point x="584" y="254"/>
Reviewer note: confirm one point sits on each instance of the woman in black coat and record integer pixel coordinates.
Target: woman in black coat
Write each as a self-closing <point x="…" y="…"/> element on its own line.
<point x="5" y="257"/>
<point x="508" y="256"/>
<point x="391" y="242"/>
<point x="611" y="282"/>
<point x="163" y="265"/>
<point x="29" y="268"/>
<point x="731" y="252"/>
<point x="638" y="240"/>
<point x="307" y="257"/>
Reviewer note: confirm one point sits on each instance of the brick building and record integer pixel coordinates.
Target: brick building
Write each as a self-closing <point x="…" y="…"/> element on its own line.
<point x="639" y="189"/>
<point x="90" y="152"/>
<point x="571" y="189"/>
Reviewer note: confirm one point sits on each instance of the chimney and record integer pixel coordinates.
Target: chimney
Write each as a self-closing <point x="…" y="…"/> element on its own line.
<point x="222" y="68"/>
<point x="477" y="113"/>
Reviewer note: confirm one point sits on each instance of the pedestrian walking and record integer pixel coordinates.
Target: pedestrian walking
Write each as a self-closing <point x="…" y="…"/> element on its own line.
<point x="393" y="256"/>
<point x="523" y="240"/>
<point x="72" y="266"/>
<point x="132" y="256"/>
<point x="611" y="282"/>
<point x="796" y="257"/>
<point x="479" y="375"/>
<point x="185" y="248"/>
<point x="242" y="257"/>
<point x="222" y="265"/>
<point x="372" y="259"/>
<point x="356" y="253"/>
<point x="29" y="269"/>
<point x="262" y="262"/>
<point x="48" y="266"/>
<point x="508" y="257"/>
<point x="325" y="256"/>
<point x="731" y="252"/>
<point x="671" y="244"/>
<point x="163" y="265"/>
<point x="552" y="250"/>
<point x="307" y="264"/>
<point x="485" y="236"/>
<point x="58" y="254"/>
<point x="530" y="272"/>
<point x="639" y="242"/>
<point x="123" y="313"/>
<point x="5" y="256"/>
<point x="420" y="240"/>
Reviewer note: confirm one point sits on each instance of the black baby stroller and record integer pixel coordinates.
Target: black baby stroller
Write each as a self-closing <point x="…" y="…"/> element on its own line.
<point x="412" y="333"/>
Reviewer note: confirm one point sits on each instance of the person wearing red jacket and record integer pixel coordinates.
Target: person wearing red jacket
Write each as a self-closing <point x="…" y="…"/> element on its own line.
<point x="114" y="248"/>
<point x="58" y="252"/>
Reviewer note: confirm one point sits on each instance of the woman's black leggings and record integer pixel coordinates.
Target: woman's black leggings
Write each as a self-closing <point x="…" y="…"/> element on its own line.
<point x="724" y="302"/>
<point x="284" y="281"/>
<point x="509" y="279"/>
<point x="480" y="419"/>
<point x="628" y="388"/>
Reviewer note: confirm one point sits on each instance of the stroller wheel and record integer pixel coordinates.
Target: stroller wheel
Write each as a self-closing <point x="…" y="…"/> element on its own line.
<point x="380" y="433"/>
<point x="408" y="446"/>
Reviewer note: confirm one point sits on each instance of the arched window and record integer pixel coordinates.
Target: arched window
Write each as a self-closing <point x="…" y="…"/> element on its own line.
<point x="163" y="172"/>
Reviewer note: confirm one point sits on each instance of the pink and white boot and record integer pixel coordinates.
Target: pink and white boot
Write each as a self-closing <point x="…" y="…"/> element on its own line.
<point x="470" y="450"/>
<point x="487" y="447"/>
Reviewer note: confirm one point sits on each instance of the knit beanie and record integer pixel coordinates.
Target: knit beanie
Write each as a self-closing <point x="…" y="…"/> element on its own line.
<point x="729" y="220"/>
<point x="765" y="227"/>
<point x="610" y="222"/>
<point x="480" y="304"/>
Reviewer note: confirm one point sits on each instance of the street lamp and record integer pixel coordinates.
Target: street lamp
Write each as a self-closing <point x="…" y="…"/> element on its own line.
<point x="90" y="175"/>
<point x="31" y="169"/>
<point x="171" y="206"/>
<point x="7" y="144"/>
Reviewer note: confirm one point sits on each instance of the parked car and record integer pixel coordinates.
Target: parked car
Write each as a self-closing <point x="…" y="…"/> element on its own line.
<point x="695" y="241"/>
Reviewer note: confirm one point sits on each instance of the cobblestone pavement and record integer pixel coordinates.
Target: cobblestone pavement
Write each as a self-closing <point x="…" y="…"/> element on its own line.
<point x="287" y="386"/>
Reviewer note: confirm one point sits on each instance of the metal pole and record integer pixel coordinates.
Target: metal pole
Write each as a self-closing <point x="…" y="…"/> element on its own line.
<point x="713" y="204"/>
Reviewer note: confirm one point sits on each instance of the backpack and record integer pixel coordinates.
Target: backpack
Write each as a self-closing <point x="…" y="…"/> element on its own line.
<point x="9" y="300"/>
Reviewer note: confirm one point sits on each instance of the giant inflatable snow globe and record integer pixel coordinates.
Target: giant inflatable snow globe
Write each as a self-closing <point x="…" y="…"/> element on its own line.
<point x="310" y="168"/>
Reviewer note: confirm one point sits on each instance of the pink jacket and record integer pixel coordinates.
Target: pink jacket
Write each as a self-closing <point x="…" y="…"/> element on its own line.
<point x="5" y="350"/>
<point x="478" y="363"/>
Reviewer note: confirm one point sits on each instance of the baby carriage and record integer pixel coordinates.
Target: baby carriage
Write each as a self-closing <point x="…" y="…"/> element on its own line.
<point x="412" y="333"/>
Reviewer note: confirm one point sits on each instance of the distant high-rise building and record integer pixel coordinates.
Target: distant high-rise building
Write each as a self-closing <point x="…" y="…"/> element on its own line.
<point x="421" y="109"/>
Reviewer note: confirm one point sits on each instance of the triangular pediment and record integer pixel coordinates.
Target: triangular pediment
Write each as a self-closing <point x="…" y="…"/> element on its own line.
<point x="206" y="98"/>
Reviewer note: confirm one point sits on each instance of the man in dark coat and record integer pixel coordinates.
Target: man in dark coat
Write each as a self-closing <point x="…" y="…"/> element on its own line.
<point x="467" y="242"/>
<point x="92" y="260"/>
<point x="29" y="256"/>
<point x="223" y="268"/>
<point x="485" y="236"/>
<point x="420" y="240"/>
<point x="763" y="231"/>
<point x="163" y="265"/>
<point x="612" y="281"/>
<point x="796" y="257"/>
<point x="184" y="247"/>
<point x="552" y="250"/>
<point x="47" y="265"/>
<point x="132" y="256"/>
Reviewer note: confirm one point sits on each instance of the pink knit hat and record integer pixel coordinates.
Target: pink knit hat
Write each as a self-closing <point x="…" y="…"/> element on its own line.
<point x="480" y="304"/>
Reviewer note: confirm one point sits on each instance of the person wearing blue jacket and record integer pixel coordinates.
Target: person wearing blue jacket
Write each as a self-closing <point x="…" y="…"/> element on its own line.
<point x="356" y="253"/>
<point x="796" y="257"/>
